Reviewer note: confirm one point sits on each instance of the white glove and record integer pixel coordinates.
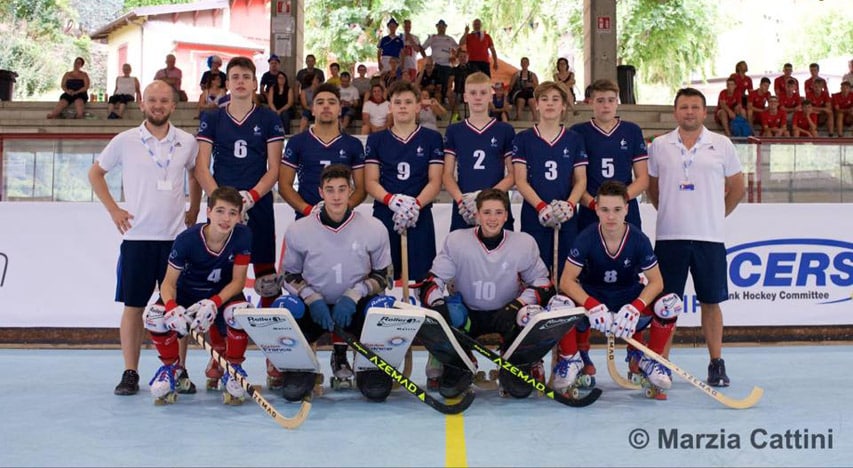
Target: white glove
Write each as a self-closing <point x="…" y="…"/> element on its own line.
<point x="400" y="223"/>
<point x="546" y="216"/>
<point x="399" y="202"/>
<point x="204" y="312"/>
<point x="600" y="318"/>
<point x="248" y="201"/>
<point x="177" y="320"/>
<point x="470" y="201"/>
<point x="625" y="323"/>
<point x="467" y="216"/>
<point x="318" y="206"/>
<point x="563" y="210"/>
<point x="412" y="216"/>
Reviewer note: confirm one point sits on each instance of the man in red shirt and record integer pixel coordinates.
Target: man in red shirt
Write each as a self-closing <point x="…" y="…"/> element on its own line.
<point x="780" y="84"/>
<point x="814" y="70"/>
<point x="821" y="104"/>
<point x="757" y="102"/>
<point x="805" y="121"/>
<point x="790" y="100"/>
<point x="843" y="104"/>
<point x="479" y="44"/>
<point x="774" y="121"/>
<point x="728" y="106"/>
<point x="743" y="83"/>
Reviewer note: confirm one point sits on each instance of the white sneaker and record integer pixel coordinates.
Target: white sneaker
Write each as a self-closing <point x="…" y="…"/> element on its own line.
<point x="658" y="375"/>
<point x="566" y="372"/>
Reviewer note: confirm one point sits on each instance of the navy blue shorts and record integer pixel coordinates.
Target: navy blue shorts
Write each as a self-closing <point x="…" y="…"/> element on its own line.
<point x="141" y="267"/>
<point x="421" y="241"/>
<point x="262" y="224"/>
<point x="706" y="262"/>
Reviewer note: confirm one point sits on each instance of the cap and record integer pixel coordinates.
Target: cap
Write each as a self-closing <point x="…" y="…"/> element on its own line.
<point x="498" y="85"/>
<point x="392" y="21"/>
<point x="441" y="23"/>
<point x="274" y="57"/>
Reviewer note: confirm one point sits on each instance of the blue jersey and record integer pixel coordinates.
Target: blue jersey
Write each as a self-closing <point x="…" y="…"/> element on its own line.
<point x="480" y="153"/>
<point x="611" y="154"/>
<point x="404" y="164"/>
<point x="203" y="272"/>
<point x="309" y="155"/>
<point x="240" y="147"/>
<point x="550" y="166"/>
<point x="619" y="270"/>
<point x="391" y="45"/>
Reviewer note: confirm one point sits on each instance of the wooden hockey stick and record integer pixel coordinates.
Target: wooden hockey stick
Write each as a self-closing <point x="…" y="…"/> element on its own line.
<point x="285" y="422"/>
<point x="555" y="352"/>
<point x="404" y="278"/>
<point x="748" y="402"/>
<point x="611" y="366"/>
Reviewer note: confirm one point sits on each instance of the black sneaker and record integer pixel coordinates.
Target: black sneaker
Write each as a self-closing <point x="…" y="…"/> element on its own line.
<point x="129" y="384"/>
<point x="717" y="373"/>
<point x="183" y="384"/>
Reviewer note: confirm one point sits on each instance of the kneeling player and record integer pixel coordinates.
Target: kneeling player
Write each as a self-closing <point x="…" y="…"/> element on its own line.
<point x="206" y="274"/>
<point x="336" y="260"/>
<point x="486" y="264"/>
<point x="602" y="273"/>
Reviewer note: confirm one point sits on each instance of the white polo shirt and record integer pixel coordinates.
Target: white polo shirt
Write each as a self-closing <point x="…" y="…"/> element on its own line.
<point x="153" y="174"/>
<point x="691" y="200"/>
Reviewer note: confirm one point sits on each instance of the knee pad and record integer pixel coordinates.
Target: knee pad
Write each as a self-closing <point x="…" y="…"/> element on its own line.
<point x="268" y="285"/>
<point x="374" y="384"/>
<point x="668" y="307"/>
<point x="292" y="304"/>
<point x="153" y="319"/>
<point x="228" y="313"/>
<point x="561" y="301"/>
<point x="526" y="313"/>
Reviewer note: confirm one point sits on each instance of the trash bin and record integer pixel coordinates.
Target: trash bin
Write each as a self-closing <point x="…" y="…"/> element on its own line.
<point x="625" y="76"/>
<point x="7" y="84"/>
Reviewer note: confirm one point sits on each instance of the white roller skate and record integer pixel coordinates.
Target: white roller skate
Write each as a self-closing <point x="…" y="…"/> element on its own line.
<point x="341" y="370"/>
<point x="214" y="374"/>
<point x="234" y="393"/>
<point x="162" y="385"/>
<point x="656" y="378"/>
<point x="568" y="377"/>
<point x="434" y="369"/>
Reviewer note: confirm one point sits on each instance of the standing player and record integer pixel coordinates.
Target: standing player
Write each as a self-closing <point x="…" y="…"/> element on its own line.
<point x="402" y="173"/>
<point x="206" y="275"/>
<point x="477" y="154"/>
<point x="245" y="143"/>
<point x="486" y="264"/>
<point x="155" y="158"/>
<point x="550" y="172"/>
<point x="336" y="260"/>
<point x="602" y="273"/>
<point x="616" y="151"/>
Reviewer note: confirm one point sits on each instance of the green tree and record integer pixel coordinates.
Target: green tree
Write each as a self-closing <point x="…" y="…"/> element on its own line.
<point x="829" y="33"/>
<point x="349" y="30"/>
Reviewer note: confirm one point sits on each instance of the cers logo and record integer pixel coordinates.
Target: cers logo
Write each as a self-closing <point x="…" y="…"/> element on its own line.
<point x="794" y="263"/>
<point x="287" y="341"/>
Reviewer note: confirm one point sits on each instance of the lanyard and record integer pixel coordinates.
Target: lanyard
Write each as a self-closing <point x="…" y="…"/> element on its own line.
<point x="159" y="163"/>
<point x="687" y="156"/>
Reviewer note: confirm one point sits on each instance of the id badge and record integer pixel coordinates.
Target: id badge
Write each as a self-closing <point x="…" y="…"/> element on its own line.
<point x="164" y="185"/>
<point x="686" y="186"/>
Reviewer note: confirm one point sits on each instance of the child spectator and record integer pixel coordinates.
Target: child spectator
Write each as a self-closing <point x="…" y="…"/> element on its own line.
<point x="499" y="107"/>
<point x="335" y="70"/>
<point x="430" y="111"/>
<point x="805" y="121"/>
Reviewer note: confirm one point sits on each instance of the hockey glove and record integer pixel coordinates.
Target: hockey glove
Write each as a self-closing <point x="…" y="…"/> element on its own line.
<point x="626" y="320"/>
<point x="268" y="285"/>
<point x="204" y="312"/>
<point x="400" y="223"/>
<point x="470" y="201"/>
<point x="343" y="311"/>
<point x="399" y="202"/>
<point x="563" y="210"/>
<point x="599" y="317"/>
<point x="176" y="319"/>
<point x="321" y="315"/>
<point x="505" y="319"/>
<point x="249" y="199"/>
<point x="546" y="215"/>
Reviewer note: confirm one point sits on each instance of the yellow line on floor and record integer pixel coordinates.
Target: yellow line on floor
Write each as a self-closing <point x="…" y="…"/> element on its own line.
<point x="455" y="455"/>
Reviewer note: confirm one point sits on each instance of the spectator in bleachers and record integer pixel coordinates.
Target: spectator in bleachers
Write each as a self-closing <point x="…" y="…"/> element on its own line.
<point x="430" y="111"/>
<point x="805" y="121"/>
<point x="270" y="77"/>
<point x="391" y="73"/>
<point x="848" y="77"/>
<point x="814" y="73"/>
<point x="842" y="103"/>
<point x="790" y="100"/>
<point x="428" y="79"/>
<point x="280" y="99"/>
<point x="390" y="46"/>
<point x="499" y="107"/>
<point x="774" y="120"/>
<point x="375" y="112"/>
<point x="213" y="94"/>
<point x="780" y="84"/>
<point x="521" y="88"/>
<point x="350" y="100"/>
<point x="214" y="63"/>
<point x="127" y="90"/>
<point x="75" y="90"/>
<point x="442" y="48"/>
<point x="361" y="82"/>
<point x="479" y="44"/>
<point x="567" y="77"/>
<point x="743" y="83"/>
<point x="729" y="106"/>
<point x="310" y="61"/>
<point x="411" y="48"/>
<point x="310" y="82"/>
<point x="821" y="104"/>
<point x="456" y="84"/>
<point x="335" y="71"/>
<point x="172" y="75"/>
<point x="757" y="103"/>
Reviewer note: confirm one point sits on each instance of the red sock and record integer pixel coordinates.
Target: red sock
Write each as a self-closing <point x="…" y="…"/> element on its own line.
<point x="583" y="339"/>
<point x="336" y="339"/>
<point x="569" y="343"/>
<point x="167" y="346"/>
<point x="236" y="342"/>
<point x="659" y="335"/>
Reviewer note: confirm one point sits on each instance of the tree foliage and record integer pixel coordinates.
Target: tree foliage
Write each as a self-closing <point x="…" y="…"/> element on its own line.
<point x="131" y="4"/>
<point x="830" y="34"/>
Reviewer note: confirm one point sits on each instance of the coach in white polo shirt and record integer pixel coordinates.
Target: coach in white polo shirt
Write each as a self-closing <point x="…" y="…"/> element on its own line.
<point x="695" y="181"/>
<point x="155" y="158"/>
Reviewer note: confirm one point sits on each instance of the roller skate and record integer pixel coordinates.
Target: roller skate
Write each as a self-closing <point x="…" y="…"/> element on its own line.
<point x="633" y="359"/>
<point x="214" y="374"/>
<point x="162" y="385"/>
<point x="588" y="370"/>
<point x="656" y="379"/>
<point x="568" y="376"/>
<point x="275" y="379"/>
<point x="183" y="384"/>
<point x="454" y="381"/>
<point x="717" y="373"/>
<point x="434" y="369"/>
<point x="341" y="370"/>
<point x="234" y="393"/>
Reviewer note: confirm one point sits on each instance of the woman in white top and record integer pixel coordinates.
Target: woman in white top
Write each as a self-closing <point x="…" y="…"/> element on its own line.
<point x="127" y="90"/>
<point x="375" y="114"/>
<point x="213" y="95"/>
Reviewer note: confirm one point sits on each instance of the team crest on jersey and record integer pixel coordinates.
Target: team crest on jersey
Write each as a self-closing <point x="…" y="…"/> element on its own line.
<point x="231" y="258"/>
<point x="257" y="130"/>
<point x="575" y="252"/>
<point x="288" y="152"/>
<point x="494" y="142"/>
<point x="627" y="263"/>
<point x="623" y="145"/>
<point x="566" y="153"/>
<point x="420" y="152"/>
<point x="202" y="126"/>
<point x="279" y="129"/>
<point x="342" y="154"/>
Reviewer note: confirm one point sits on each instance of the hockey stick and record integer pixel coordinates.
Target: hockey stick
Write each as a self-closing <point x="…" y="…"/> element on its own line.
<point x="285" y="422"/>
<point x="748" y="402"/>
<point x="402" y="379"/>
<point x="555" y="352"/>
<point x="611" y="366"/>
<point x="514" y="370"/>
<point x="404" y="278"/>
